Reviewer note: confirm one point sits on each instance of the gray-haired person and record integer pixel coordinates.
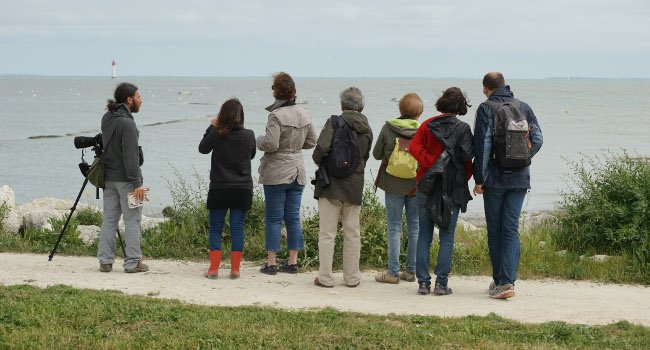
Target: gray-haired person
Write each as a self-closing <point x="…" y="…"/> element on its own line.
<point x="122" y="175"/>
<point x="342" y="197"/>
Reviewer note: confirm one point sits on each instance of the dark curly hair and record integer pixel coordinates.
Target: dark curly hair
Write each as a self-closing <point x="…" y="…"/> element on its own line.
<point x="283" y="87"/>
<point x="230" y="115"/>
<point x="454" y="101"/>
<point x="121" y="94"/>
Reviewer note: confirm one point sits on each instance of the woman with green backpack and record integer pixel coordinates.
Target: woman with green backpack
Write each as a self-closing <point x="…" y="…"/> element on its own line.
<point x="396" y="177"/>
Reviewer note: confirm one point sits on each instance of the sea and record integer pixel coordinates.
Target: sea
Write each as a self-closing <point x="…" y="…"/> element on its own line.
<point x="41" y="116"/>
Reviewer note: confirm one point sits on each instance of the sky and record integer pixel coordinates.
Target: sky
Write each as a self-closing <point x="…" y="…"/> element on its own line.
<point x="333" y="38"/>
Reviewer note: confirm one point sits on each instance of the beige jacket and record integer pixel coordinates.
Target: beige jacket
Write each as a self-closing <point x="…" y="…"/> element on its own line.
<point x="289" y="130"/>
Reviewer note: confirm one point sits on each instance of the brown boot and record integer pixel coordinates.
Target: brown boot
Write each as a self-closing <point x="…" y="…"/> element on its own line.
<point x="235" y="261"/>
<point x="215" y="261"/>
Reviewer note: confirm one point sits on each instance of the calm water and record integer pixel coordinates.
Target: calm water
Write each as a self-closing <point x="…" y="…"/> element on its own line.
<point x="577" y="117"/>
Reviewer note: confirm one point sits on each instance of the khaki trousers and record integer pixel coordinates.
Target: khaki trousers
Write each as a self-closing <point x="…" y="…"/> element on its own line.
<point x="329" y="211"/>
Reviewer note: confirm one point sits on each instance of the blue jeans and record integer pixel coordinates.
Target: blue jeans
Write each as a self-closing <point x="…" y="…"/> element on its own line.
<point x="502" y="209"/>
<point x="217" y="219"/>
<point x="445" y="250"/>
<point x="395" y="203"/>
<point x="283" y="203"/>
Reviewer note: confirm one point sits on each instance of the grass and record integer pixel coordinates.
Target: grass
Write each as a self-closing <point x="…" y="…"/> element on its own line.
<point x="63" y="317"/>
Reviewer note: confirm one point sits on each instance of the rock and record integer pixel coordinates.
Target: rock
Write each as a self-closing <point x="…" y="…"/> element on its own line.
<point x="39" y="212"/>
<point x="7" y="196"/>
<point x="88" y="233"/>
<point x="146" y="223"/>
<point x="530" y="220"/>
<point x="467" y="226"/>
<point x="12" y="222"/>
<point x="600" y="258"/>
<point x="596" y="258"/>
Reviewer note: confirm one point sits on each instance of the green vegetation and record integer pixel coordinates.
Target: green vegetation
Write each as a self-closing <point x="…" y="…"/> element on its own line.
<point x="608" y="211"/>
<point x="63" y="317"/>
<point x="184" y="236"/>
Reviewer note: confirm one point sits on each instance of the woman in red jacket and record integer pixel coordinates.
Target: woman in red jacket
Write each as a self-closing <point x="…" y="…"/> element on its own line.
<point x="444" y="132"/>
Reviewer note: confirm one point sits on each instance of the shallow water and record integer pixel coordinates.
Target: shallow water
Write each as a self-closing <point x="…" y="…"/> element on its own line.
<point x="578" y="117"/>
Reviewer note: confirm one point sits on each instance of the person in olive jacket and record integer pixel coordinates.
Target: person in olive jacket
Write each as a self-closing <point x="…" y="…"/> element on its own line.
<point x="399" y="190"/>
<point x="231" y="183"/>
<point x="342" y="196"/>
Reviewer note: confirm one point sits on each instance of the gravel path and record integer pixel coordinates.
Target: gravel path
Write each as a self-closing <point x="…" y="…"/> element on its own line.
<point x="536" y="300"/>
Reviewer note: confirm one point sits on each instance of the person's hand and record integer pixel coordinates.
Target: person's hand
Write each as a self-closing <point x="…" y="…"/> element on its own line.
<point x="478" y="189"/>
<point x="213" y="122"/>
<point x="138" y="193"/>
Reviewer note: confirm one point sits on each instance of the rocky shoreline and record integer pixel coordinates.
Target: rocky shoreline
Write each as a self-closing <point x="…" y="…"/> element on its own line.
<point x="39" y="213"/>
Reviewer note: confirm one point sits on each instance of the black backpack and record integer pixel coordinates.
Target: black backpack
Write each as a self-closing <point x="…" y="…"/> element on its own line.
<point x="511" y="143"/>
<point x="344" y="157"/>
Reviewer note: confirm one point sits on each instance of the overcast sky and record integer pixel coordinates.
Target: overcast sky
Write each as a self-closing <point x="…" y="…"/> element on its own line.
<point x="379" y="38"/>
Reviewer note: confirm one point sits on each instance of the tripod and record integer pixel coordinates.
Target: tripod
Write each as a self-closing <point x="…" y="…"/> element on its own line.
<point x="74" y="207"/>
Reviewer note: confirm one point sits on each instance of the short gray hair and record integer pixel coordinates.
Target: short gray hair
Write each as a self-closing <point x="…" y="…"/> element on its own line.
<point x="352" y="99"/>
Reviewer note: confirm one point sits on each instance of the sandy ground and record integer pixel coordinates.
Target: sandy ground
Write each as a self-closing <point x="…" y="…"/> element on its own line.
<point x="536" y="301"/>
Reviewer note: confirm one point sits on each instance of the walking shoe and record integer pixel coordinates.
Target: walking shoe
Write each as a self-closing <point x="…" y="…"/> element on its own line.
<point x="407" y="276"/>
<point x="441" y="290"/>
<point x="492" y="286"/>
<point x="105" y="267"/>
<point x="140" y="267"/>
<point x="387" y="278"/>
<point x="424" y="288"/>
<point x="269" y="270"/>
<point x="503" y="291"/>
<point x="293" y="268"/>
<point x="317" y="282"/>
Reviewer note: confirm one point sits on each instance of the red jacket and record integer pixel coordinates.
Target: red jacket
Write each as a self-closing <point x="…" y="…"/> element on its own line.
<point x="426" y="149"/>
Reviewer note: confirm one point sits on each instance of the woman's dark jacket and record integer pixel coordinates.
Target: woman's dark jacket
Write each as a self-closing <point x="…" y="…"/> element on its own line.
<point x="231" y="183"/>
<point x="440" y="133"/>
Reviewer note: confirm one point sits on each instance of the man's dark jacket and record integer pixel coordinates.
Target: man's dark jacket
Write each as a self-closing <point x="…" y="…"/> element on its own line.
<point x="122" y="155"/>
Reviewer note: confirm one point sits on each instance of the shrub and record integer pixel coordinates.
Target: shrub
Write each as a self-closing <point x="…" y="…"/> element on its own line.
<point x="608" y="209"/>
<point x="88" y="216"/>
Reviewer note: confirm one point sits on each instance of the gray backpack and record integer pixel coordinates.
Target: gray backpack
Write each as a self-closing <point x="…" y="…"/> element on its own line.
<point x="511" y="142"/>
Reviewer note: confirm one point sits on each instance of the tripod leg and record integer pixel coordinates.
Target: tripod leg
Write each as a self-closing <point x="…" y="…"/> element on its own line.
<point x="119" y="237"/>
<point x="74" y="206"/>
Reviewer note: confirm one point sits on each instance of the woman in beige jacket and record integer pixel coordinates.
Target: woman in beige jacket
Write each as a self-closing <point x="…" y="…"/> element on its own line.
<point x="289" y="130"/>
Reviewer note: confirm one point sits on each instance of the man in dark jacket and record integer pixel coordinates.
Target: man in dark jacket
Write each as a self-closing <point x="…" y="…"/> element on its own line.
<point x="122" y="175"/>
<point x="342" y="196"/>
<point x="503" y="189"/>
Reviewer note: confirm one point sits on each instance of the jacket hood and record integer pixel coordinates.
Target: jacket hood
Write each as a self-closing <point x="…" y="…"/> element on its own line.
<point x="122" y="111"/>
<point x="403" y="127"/>
<point x="502" y="92"/>
<point x="444" y="128"/>
<point x="357" y="121"/>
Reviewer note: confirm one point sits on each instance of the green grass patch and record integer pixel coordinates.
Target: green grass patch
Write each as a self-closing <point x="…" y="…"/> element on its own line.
<point x="63" y="317"/>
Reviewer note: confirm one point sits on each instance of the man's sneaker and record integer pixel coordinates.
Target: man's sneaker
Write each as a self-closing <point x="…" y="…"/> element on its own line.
<point x="140" y="267"/>
<point x="387" y="278"/>
<point x="293" y="268"/>
<point x="441" y="290"/>
<point x="503" y="291"/>
<point x="407" y="276"/>
<point x="105" y="267"/>
<point x="269" y="270"/>
<point x="424" y="288"/>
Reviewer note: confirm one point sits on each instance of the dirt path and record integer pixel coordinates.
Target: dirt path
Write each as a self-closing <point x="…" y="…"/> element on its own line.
<point x="536" y="301"/>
